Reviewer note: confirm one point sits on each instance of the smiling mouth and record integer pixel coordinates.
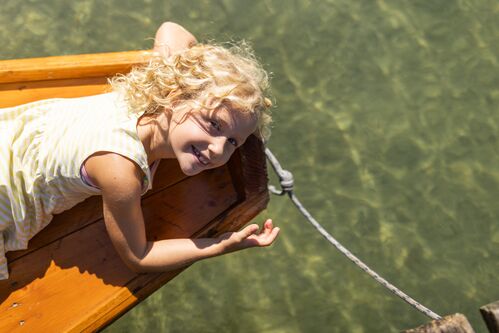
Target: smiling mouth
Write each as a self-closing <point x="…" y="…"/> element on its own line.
<point x="200" y="157"/>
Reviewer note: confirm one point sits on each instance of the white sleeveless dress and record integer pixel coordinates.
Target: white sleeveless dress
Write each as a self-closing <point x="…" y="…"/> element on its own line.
<point x="42" y="148"/>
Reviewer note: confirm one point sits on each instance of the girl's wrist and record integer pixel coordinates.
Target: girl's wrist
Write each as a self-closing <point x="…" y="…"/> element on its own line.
<point x="222" y="244"/>
<point x="226" y="244"/>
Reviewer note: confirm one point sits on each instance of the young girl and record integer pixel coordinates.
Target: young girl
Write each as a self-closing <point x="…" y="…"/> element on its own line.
<point x="193" y="102"/>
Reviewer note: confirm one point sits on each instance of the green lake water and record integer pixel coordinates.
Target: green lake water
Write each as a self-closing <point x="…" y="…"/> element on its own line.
<point x="387" y="113"/>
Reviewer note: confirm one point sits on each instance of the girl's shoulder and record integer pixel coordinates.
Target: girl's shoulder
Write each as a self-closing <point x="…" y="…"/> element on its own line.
<point x="115" y="174"/>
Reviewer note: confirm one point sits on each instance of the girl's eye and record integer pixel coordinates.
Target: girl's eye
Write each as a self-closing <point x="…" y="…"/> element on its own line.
<point x="215" y="124"/>
<point x="233" y="141"/>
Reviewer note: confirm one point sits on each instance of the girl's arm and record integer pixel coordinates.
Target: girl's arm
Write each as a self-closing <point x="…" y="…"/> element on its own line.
<point x="169" y="254"/>
<point x="171" y="38"/>
<point x="120" y="181"/>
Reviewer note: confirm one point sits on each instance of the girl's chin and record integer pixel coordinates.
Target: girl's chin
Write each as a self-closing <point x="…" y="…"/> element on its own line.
<point x="189" y="165"/>
<point x="190" y="170"/>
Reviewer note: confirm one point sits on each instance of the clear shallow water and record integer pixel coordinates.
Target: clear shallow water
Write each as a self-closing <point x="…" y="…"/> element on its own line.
<point x="387" y="114"/>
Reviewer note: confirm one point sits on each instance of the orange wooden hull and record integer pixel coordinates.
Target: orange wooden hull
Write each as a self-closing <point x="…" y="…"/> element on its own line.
<point x="70" y="279"/>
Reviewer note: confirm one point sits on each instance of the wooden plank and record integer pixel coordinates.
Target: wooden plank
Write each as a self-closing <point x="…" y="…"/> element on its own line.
<point x="249" y="170"/>
<point x="46" y="301"/>
<point x="204" y="193"/>
<point x="64" y="271"/>
<point x="27" y="80"/>
<point x="231" y="219"/>
<point x="456" y="323"/>
<point x="70" y="66"/>
<point x="13" y="94"/>
<point x="74" y="255"/>
<point x="90" y="210"/>
<point x="490" y="314"/>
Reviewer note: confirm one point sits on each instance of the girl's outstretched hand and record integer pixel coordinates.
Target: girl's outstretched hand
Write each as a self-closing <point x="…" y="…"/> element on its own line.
<point x="249" y="237"/>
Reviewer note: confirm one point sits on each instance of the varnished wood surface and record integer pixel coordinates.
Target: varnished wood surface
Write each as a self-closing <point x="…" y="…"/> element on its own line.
<point x="90" y="210"/>
<point x="27" y="80"/>
<point x="70" y="66"/>
<point x="64" y="270"/>
<point x="13" y="94"/>
<point x="71" y="279"/>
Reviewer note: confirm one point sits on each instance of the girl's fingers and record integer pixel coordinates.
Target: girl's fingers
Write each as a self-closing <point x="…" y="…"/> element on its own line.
<point x="269" y="237"/>
<point x="274" y="234"/>
<point x="249" y="230"/>
<point x="263" y="237"/>
<point x="267" y="227"/>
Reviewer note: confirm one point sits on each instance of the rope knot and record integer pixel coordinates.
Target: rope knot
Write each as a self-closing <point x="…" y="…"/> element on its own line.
<point x="285" y="177"/>
<point x="286" y="180"/>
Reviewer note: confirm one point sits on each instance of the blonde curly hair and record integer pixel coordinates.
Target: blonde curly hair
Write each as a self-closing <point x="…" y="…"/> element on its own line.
<point x="204" y="74"/>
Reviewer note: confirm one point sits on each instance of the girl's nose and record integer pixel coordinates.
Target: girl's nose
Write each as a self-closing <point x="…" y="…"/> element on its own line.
<point x="217" y="148"/>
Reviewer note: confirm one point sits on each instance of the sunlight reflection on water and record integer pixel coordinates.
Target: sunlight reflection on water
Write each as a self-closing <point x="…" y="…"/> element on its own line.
<point x="387" y="116"/>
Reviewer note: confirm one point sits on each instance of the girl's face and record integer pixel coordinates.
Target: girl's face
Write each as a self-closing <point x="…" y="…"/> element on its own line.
<point x="205" y="139"/>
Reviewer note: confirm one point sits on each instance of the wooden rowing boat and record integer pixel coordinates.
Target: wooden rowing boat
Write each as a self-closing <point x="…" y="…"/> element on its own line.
<point x="70" y="278"/>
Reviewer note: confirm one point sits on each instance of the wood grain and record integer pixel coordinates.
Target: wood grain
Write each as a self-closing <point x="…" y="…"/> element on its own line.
<point x="63" y="271"/>
<point x="70" y="66"/>
<point x="71" y="279"/>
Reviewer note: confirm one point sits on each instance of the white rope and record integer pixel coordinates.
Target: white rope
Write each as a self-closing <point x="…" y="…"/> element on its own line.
<point x="286" y="180"/>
